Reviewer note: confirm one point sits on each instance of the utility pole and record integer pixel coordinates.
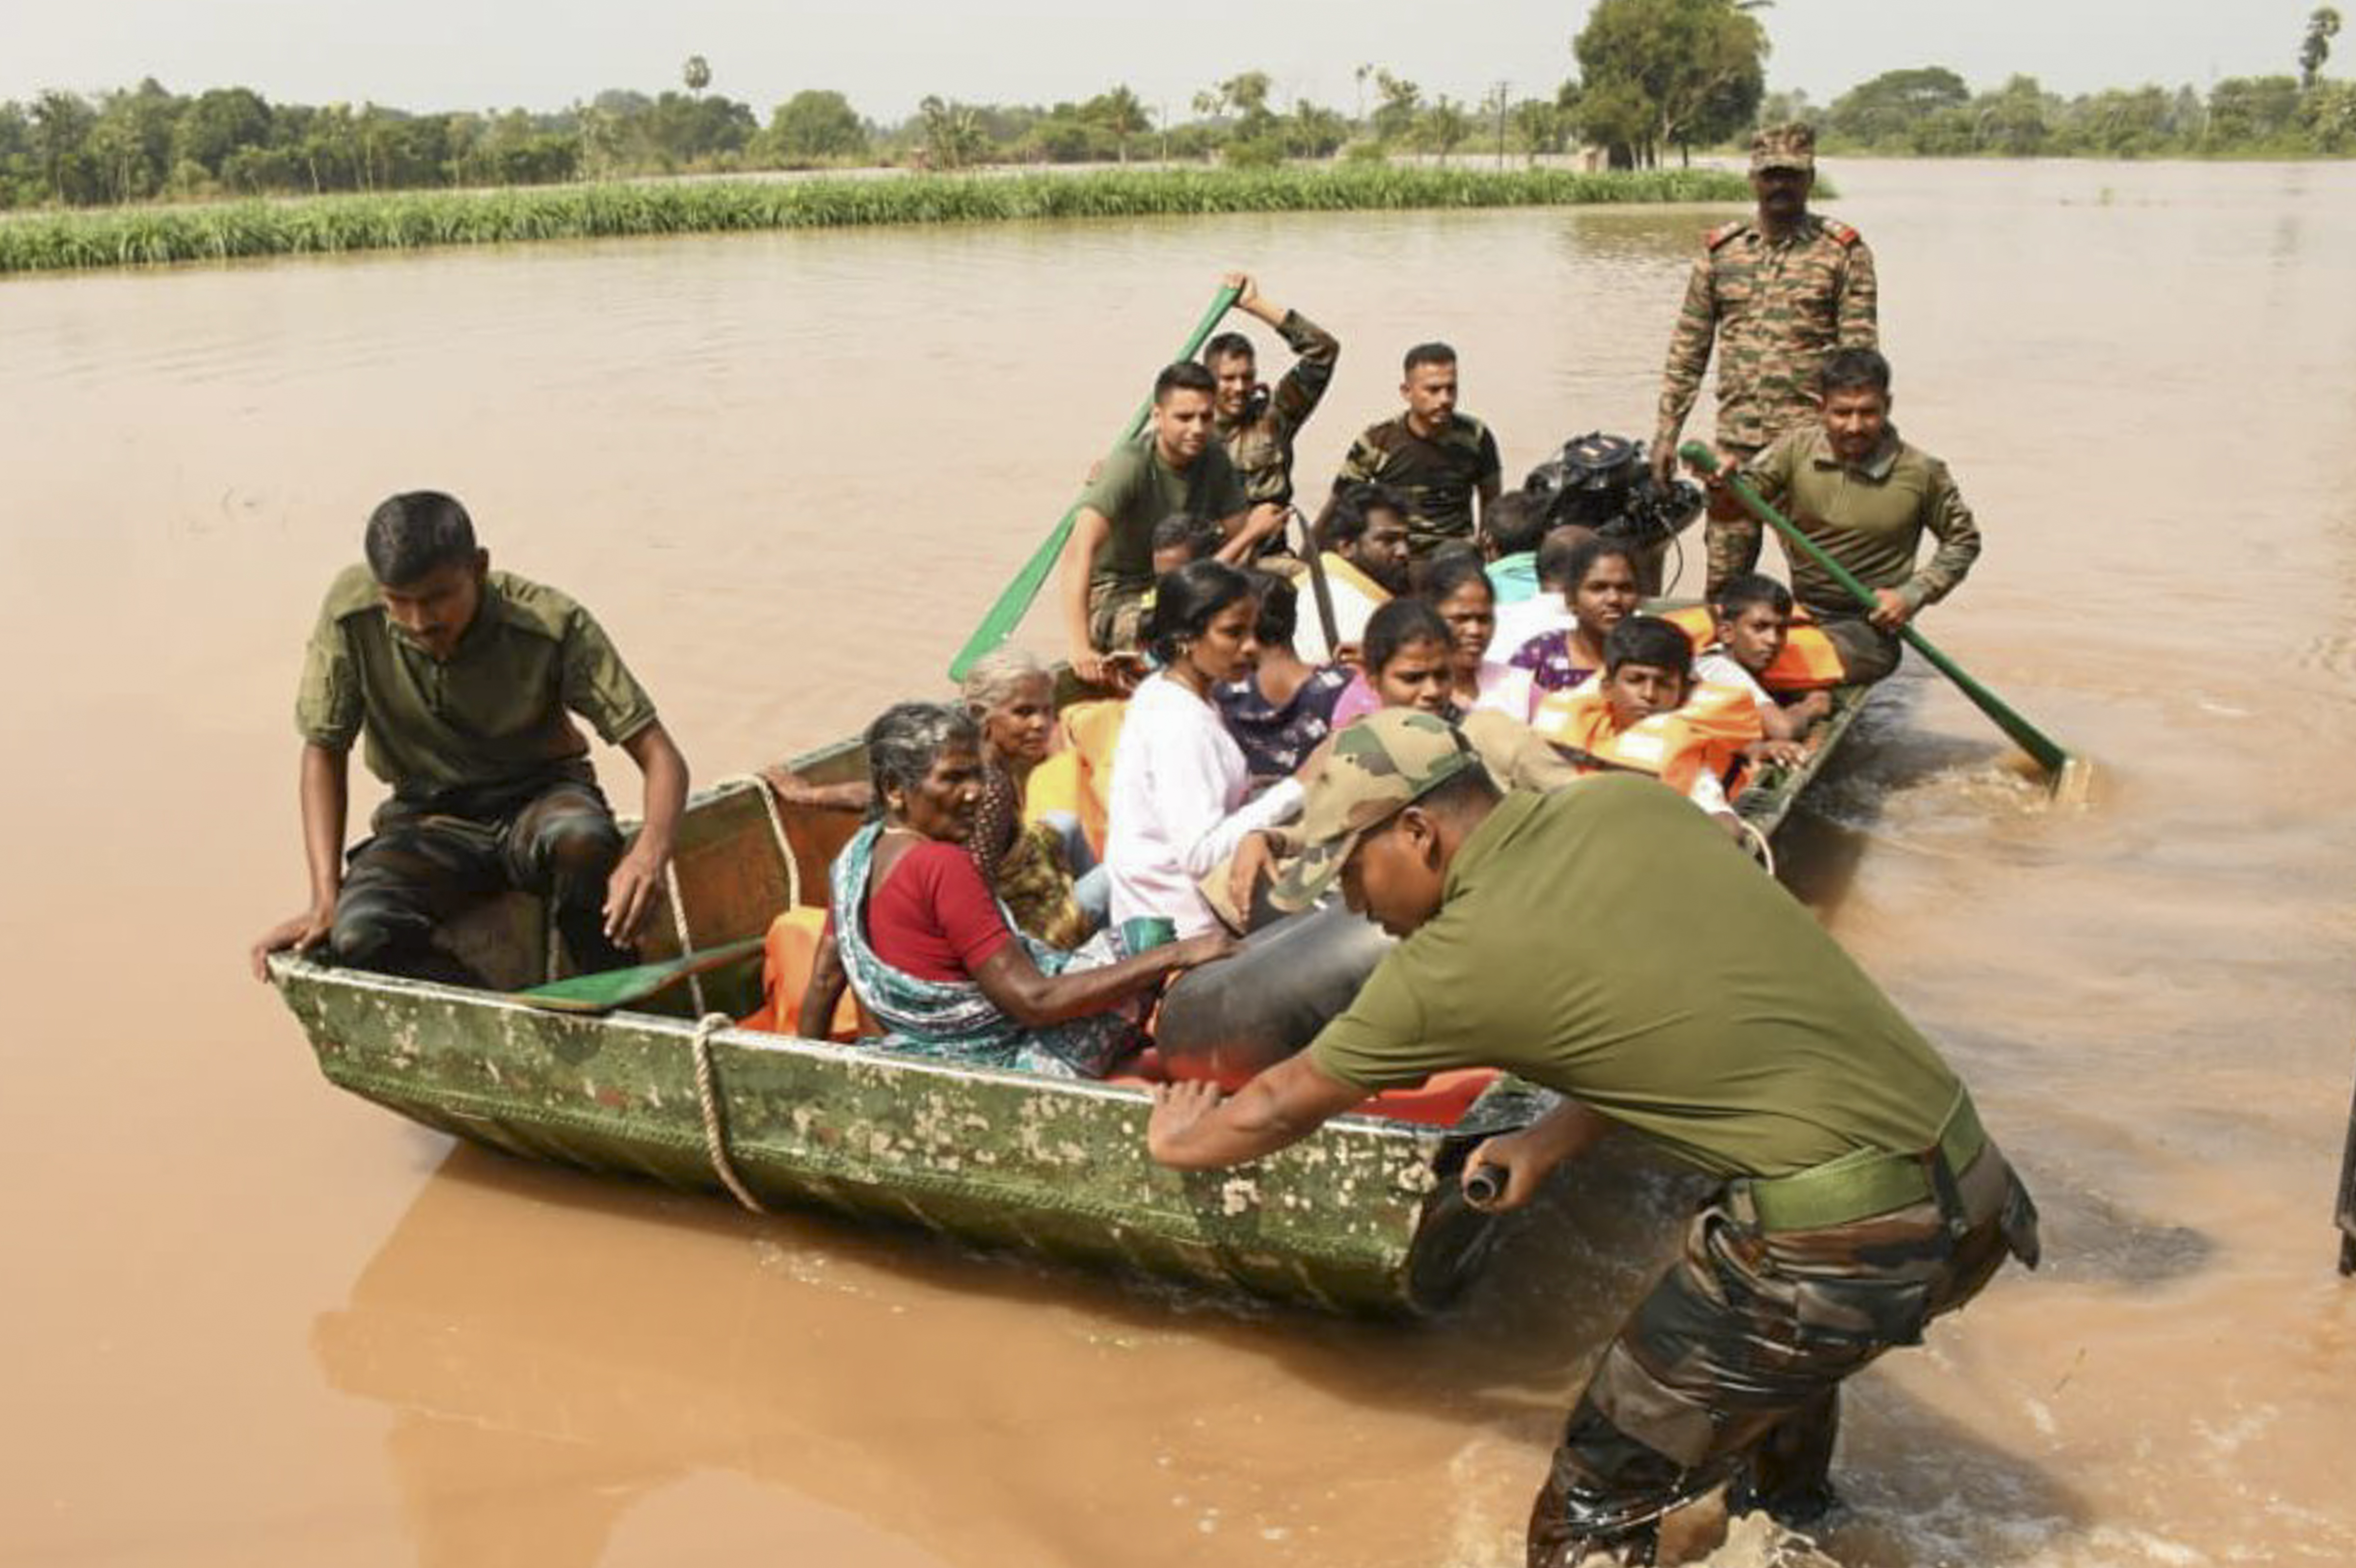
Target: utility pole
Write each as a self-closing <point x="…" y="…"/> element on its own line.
<point x="1505" y="92"/>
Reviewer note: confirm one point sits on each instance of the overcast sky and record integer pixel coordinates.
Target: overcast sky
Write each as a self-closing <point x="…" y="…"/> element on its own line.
<point x="886" y="54"/>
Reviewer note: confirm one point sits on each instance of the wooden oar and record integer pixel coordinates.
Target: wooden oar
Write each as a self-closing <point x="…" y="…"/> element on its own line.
<point x="2069" y="777"/>
<point x="1015" y="601"/>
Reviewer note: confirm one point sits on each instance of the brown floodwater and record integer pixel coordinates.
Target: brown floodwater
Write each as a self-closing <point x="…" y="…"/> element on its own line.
<point x="248" y="1319"/>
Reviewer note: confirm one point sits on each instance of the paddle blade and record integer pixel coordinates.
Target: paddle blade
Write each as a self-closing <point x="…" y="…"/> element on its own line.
<point x="611" y="988"/>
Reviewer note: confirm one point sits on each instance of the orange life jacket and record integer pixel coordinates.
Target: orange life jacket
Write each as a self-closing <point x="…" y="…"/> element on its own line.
<point x="1707" y="735"/>
<point x="1809" y="662"/>
<point x="787" y="959"/>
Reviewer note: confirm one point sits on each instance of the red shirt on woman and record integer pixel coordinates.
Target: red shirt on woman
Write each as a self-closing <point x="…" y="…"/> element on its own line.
<point x="932" y="915"/>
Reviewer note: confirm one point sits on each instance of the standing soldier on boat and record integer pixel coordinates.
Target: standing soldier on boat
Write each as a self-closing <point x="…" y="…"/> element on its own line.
<point x="1858" y="1197"/>
<point x="1258" y="424"/>
<point x="459" y="678"/>
<point x="1775" y="291"/>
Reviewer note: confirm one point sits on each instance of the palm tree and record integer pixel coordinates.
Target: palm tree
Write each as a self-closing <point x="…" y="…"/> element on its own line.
<point x="696" y="73"/>
<point x="1124" y="116"/>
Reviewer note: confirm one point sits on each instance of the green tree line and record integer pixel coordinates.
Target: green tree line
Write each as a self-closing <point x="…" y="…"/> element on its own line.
<point x="1654" y="78"/>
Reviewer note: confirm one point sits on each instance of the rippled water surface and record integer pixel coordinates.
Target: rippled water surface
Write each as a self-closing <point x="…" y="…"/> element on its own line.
<point x="246" y="1319"/>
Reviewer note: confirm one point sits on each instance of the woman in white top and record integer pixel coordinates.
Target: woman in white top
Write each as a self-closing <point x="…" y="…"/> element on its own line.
<point x="1179" y="782"/>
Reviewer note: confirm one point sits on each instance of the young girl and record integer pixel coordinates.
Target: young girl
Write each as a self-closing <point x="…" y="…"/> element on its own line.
<point x="1602" y="593"/>
<point x="1284" y="704"/>
<point x="1406" y="660"/>
<point x="1181" y="791"/>
<point x="1456" y="582"/>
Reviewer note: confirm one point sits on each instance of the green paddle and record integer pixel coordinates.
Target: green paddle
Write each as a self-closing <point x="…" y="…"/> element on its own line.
<point x="2069" y="777"/>
<point x="1015" y="602"/>
<point x="603" y="992"/>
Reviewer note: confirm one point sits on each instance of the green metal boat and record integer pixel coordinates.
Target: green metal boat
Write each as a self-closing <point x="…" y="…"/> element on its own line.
<point x="1364" y="1216"/>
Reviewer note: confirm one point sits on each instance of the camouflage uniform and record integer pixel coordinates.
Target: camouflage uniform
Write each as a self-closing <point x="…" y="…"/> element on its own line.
<point x="1774" y="308"/>
<point x="1438" y="476"/>
<point x="1732" y="1366"/>
<point x="1259" y="443"/>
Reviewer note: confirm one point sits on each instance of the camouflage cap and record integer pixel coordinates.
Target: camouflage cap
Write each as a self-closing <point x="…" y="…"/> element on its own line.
<point x="1384" y="761"/>
<point x="1790" y="146"/>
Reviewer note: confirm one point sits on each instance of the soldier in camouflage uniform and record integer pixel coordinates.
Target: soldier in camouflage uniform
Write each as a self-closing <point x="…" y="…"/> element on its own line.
<point x="1436" y="458"/>
<point x="460" y="679"/>
<point x="1775" y="291"/>
<point x="1858" y="1196"/>
<point x="1258" y="424"/>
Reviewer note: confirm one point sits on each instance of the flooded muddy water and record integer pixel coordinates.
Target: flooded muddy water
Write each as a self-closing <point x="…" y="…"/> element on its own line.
<point x="246" y="1319"/>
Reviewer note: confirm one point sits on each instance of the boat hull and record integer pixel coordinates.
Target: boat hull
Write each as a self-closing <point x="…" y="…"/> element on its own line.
<point x="1362" y="1217"/>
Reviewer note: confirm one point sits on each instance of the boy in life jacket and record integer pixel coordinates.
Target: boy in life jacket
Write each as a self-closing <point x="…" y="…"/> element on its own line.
<point x="1751" y="623"/>
<point x="1648" y="715"/>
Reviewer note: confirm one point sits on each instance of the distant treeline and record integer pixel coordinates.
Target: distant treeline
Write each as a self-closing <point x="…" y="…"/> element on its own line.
<point x="1931" y="113"/>
<point x="147" y="142"/>
<point x="1657" y="79"/>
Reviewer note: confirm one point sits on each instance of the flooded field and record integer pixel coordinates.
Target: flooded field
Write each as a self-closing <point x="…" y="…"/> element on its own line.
<point x="250" y="1321"/>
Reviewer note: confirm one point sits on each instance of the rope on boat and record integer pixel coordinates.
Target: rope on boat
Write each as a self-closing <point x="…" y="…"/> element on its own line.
<point x="707" y="1096"/>
<point x="678" y="926"/>
<point x="1761" y="851"/>
<point x="760" y="786"/>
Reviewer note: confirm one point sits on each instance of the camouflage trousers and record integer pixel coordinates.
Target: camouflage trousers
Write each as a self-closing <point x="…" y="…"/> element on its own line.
<point x="1117" y="616"/>
<point x="1732" y="544"/>
<point x="424" y="864"/>
<point x="1730" y="1368"/>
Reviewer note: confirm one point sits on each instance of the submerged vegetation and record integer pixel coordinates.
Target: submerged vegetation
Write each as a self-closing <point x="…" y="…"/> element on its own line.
<point x="139" y="236"/>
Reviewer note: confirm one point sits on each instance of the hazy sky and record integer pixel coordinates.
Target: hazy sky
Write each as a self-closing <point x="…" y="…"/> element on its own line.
<point x="886" y="54"/>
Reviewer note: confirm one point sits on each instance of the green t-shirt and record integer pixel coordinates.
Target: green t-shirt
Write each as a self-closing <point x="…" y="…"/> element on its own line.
<point x="1608" y="941"/>
<point x="492" y="714"/>
<point x="1135" y="489"/>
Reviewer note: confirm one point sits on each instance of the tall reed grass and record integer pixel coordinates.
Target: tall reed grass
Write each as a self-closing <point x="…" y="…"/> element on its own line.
<point x="148" y="236"/>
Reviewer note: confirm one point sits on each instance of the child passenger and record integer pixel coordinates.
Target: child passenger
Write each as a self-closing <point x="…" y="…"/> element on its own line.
<point x="1409" y="655"/>
<point x="1636" y="717"/>
<point x="1283" y="705"/>
<point x="1600" y="590"/>
<point x="1512" y="528"/>
<point x="1751" y="617"/>
<point x="1455" y="580"/>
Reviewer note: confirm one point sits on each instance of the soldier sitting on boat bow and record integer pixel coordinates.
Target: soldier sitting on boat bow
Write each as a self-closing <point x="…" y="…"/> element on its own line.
<point x="459" y="678"/>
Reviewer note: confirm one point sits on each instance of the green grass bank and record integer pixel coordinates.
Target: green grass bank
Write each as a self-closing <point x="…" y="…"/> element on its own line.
<point x="156" y="236"/>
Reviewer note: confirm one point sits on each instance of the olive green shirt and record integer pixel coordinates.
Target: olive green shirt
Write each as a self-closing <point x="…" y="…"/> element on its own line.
<point x="1135" y="489"/>
<point x="1608" y="941"/>
<point x="493" y="714"/>
<point x="1870" y="518"/>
